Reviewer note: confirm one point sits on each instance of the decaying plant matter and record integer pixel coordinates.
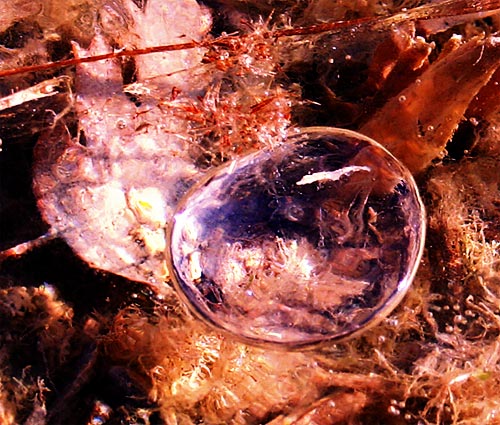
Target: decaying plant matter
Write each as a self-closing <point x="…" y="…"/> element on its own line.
<point x="231" y="76"/>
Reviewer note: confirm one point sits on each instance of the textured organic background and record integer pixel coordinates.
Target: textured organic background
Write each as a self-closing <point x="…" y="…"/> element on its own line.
<point x="86" y="346"/>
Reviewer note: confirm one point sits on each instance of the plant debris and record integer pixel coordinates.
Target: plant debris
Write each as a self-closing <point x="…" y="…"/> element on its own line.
<point x="91" y="330"/>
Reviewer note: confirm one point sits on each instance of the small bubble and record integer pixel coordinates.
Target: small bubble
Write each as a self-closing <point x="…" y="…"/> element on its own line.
<point x="394" y="411"/>
<point x="49" y="88"/>
<point x="402" y="99"/>
<point x="393" y="322"/>
<point x="121" y="124"/>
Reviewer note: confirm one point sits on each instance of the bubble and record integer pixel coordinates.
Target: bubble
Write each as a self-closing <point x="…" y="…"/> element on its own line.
<point x="394" y="411"/>
<point x="121" y="124"/>
<point x="314" y="240"/>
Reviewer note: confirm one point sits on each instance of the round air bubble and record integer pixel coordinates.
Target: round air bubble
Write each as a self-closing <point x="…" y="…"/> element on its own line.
<point x="314" y="240"/>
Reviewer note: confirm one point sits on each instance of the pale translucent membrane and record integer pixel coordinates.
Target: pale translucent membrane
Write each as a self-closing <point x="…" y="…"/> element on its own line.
<point x="314" y="240"/>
